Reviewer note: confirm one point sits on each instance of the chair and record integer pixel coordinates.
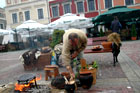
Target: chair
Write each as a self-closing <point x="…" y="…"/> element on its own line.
<point x="51" y="70"/>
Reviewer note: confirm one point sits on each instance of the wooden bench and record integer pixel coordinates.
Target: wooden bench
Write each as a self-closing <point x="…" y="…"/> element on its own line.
<point x="96" y="40"/>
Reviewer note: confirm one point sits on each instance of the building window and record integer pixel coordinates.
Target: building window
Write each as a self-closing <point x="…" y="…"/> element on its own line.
<point x="91" y="5"/>
<point x="55" y="11"/>
<point x="40" y="14"/>
<point x="15" y="1"/>
<point x="20" y="16"/>
<point x="1" y="26"/>
<point x="23" y="0"/>
<point x="8" y="1"/>
<point x="108" y="3"/>
<point x="129" y="2"/>
<point x="80" y="7"/>
<point x="27" y="15"/>
<point x="67" y="8"/>
<point x="14" y="17"/>
<point x="1" y="15"/>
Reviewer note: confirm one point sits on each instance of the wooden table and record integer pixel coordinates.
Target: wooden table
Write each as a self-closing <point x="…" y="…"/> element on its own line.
<point x="87" y="51"/>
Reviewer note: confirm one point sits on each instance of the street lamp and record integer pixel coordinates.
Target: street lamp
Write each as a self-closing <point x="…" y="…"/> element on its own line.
<point x="30" y="40"/>
<point x="16" y="38"/>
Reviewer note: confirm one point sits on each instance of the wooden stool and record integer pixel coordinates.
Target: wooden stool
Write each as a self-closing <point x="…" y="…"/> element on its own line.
<point x="51" y="70"/>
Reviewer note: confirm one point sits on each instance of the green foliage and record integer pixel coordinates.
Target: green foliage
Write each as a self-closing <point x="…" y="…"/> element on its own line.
<point x="57" y="37"/>
<point x="95" y="65"/>
<point x="101" y="32"/>
<point x="133" y="31"/>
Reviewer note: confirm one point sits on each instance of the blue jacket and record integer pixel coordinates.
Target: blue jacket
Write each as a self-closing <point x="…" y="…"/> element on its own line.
<point x="115" y="26"/>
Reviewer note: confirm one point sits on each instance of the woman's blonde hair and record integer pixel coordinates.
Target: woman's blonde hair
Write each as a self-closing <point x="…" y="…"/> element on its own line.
<point x="114" y="37"/>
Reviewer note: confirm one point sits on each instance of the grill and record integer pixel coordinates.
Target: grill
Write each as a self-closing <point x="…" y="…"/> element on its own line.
<point x="25" y="82"/>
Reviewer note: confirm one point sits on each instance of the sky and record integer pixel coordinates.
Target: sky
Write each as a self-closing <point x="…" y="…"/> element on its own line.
<point x="2" y="3"/>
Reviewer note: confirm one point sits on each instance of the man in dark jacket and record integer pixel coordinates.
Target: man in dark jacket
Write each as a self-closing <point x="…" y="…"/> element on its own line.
<point x="116" y="25"/>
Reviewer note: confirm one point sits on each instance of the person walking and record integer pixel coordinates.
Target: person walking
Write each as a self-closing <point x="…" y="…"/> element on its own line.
<point x="116" y="25"/>
<point x="116" y="44"/>
<point x="74" y="42"/>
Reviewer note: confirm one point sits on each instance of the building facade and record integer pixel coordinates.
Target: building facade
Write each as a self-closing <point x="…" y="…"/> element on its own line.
<point x="2" y="19"/>
<point x="87" y="8"/>
<point x="105" y="4"/>
<point x="45" y="11"/>
<point x="18" y="11"/>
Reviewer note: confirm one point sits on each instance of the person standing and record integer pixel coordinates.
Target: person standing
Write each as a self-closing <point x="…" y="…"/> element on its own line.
<point x="74" y="42"/>
<point x="116" y="25"/>
<point x="58" y="51"/>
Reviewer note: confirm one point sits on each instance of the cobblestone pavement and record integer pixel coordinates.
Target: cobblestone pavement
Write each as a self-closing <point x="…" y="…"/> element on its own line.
<point x="132" y="50"/>
<point x="11" y="67"/>
<point x="124" y="78"/>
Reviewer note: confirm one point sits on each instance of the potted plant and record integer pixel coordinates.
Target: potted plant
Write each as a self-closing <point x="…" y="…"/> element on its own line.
<point x="88" y="71"/>
<point x="133" y="32"/>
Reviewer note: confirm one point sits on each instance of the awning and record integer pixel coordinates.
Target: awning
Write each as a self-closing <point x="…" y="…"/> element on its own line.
<point x="122" y="12"/>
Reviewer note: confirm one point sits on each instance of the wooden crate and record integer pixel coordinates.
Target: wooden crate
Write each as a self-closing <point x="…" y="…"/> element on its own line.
<point x="44" y="59"/>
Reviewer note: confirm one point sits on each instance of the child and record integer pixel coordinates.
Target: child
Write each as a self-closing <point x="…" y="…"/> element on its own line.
<point x="116" y="44"/>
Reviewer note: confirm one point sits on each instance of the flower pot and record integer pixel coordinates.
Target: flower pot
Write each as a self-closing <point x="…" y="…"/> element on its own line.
<point x="86" y="80"/>
<point x="133" y="38"/>
<point x="107" y="45"/>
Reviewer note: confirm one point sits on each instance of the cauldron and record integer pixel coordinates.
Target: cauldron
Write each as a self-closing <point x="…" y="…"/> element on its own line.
<point x="86" y="80"/>
<point x="70" y="87"/>
<point x="58" y="82"/>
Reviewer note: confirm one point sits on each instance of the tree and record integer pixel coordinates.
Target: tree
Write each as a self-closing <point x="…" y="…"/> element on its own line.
<point x="57" y="37"/>
<point x="133" y="31"/>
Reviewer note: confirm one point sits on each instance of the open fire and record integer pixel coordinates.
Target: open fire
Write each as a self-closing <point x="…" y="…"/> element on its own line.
<point x="26" y="82"/>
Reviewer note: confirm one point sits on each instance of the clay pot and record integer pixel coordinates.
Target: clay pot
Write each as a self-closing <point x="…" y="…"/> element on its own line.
<point x="107" y="45"/>
<point x="86" y="80"/>
<point x="70" y="88"/>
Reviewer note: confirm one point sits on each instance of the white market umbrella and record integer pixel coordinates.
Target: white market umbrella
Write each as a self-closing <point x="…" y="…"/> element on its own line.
<point x="6" y="32"/>
<point x="7" y="36"/>
<point x="30" y="25"/>
<point x="69" y="20"/>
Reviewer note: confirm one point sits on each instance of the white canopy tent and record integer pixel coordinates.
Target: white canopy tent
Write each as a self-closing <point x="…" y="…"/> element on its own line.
<point x="30" y="28"/>
<point x="70" y="20"/>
